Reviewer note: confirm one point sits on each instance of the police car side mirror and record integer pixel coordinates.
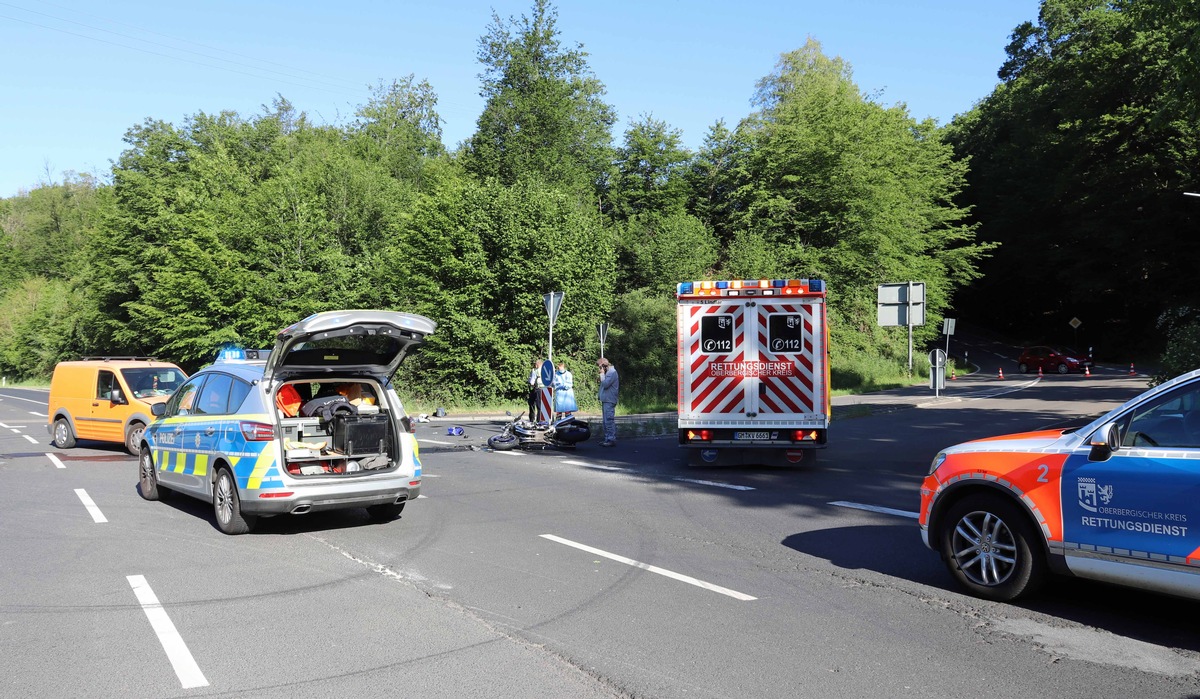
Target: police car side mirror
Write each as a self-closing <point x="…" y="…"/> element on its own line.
<point x="1105" y="441"/>
<point x="158" y="409"/>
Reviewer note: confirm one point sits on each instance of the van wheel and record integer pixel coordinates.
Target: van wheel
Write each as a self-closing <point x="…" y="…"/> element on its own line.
<point x="228" y="507"/>
<point x="64" y="438"/>
<point x="385" y="513"/>
<point x="133" y="437"/>
<point x="148" y="476"/>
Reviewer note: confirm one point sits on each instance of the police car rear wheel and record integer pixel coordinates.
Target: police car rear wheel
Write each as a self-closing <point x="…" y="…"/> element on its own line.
<point x="990" y="546"/>
<point x="228" y="507"/>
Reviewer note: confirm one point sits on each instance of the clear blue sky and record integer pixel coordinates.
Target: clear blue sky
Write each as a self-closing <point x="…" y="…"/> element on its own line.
<point x="78" y="74"/>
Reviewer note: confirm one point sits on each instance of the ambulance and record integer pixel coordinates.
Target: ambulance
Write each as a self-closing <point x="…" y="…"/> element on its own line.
<point x="753" y="370"/>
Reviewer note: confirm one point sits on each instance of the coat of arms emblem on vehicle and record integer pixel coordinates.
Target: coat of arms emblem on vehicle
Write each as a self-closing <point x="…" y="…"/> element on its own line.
<point x="1092" y="495"/>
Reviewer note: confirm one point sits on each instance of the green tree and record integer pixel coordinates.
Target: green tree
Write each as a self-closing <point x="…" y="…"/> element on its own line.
<point x="400" y="128"/>
<point x="544" y="116"/>
<point x="658" y="251"/>
<point x="477" y="257"/>
<point x="650" y="171"/>
<point x="715" y="176"/>
<point x="1078" y="163"/>
<point x="839" y="188"/>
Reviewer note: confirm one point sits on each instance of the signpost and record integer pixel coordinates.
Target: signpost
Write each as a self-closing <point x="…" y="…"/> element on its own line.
<point x="902" y="304"/>
<point x="937" y="371"/>
<point x="553" y="302"/>
<point x="948" y="330"/>
<point x="602" y="331"/>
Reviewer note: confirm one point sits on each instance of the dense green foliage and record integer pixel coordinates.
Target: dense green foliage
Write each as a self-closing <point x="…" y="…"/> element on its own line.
<point x="225" y="228"/>
<point x="1079" y="161"/>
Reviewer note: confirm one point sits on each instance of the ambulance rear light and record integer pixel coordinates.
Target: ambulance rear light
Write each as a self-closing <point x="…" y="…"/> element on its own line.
<point x="257" y="431"/>
<point x="699" y="435"/>
<point x="806" y="435"/>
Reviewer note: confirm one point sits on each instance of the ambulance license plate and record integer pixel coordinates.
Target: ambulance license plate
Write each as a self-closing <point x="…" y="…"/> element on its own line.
<point x="751" y="435"/>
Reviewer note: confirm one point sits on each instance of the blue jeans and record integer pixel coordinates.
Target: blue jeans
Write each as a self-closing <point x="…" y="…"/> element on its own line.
<point x="609" y="410"/>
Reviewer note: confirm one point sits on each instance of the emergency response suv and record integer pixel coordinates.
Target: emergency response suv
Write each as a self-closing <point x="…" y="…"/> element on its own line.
<point x="314" y="424"/>
<point x="1117" y="500"/>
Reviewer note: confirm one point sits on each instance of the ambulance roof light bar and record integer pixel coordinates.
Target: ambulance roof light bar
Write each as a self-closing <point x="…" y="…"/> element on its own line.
<point x="751" y="287"/>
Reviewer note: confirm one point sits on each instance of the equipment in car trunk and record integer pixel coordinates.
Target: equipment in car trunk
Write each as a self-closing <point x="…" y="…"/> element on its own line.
<point x="354" y="435"/>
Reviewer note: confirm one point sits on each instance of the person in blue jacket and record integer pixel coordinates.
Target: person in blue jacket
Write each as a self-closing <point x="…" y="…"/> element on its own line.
<point x="564" y="391"/>
<point x="610" y="384"/>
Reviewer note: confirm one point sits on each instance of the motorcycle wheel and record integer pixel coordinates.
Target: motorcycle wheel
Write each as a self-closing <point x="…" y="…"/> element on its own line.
<point x="502" y="442"/>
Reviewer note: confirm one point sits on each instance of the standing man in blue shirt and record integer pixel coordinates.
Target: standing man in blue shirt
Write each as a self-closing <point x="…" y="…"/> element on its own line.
<point x="609" y="385"/>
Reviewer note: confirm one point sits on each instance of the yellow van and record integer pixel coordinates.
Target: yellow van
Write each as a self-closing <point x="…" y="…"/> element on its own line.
<point x="108" y="399"/>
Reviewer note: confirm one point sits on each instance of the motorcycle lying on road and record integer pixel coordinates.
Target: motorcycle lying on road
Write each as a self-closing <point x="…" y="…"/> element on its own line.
<point x="563" y="433"/>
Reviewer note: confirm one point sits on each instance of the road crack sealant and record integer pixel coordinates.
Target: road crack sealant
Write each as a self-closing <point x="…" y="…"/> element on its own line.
<point x="510" y="632"/>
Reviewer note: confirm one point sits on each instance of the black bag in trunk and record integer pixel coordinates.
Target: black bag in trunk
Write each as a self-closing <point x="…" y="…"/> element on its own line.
<point x="355" y="435"/>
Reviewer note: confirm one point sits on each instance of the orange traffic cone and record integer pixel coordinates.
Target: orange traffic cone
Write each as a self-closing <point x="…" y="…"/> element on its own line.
<point x="953" y="375"/>
<point x="1087" y="372"/>
<point x="1039" y="372"/>
<point x="1131" y="371"/>
<point x="1001" y="374"/>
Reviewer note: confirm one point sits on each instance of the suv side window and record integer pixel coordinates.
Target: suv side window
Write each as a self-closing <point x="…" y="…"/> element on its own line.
<point x="181" y="403"/>
<point x="105" y="382"/>
<point x="237" y="395"/>
<point x="1173" y="420"/>
<point x="214" y="398"/>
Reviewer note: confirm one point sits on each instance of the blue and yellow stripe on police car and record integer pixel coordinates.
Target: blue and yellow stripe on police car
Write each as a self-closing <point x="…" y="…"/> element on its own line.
<point x="267" y="459"/>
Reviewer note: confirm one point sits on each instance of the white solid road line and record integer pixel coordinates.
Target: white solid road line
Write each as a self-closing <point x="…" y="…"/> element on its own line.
<point x="7" y="427"/>
<point x="181" y="658"/>
<point x="509" y="453"/>
<point x="432" y="441"/>
<point x="54" y="460"/>
<point x="715" y="484"/>
<point x="876" y="508"/>
<point x="585" y="464"/>
<point x="28" y="400"/>
<point x="653" y="569"/>
<point x="31" y="439"/>
<point x="91" y="506"/>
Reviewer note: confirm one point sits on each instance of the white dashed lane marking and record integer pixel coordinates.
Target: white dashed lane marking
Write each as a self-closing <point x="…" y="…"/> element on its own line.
<point x="181" y="658"/>
<point x="653" y="569"/>
<point x="87" y="501"/>
<point x="876" y="508"/>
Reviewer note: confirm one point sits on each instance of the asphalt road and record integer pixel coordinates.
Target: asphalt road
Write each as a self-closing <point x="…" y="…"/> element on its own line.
<point x="593" y="573"/>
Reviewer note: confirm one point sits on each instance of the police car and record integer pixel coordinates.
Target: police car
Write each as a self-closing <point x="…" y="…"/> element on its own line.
<point x="1117" y="500"/>
<point x="313" y="424"/>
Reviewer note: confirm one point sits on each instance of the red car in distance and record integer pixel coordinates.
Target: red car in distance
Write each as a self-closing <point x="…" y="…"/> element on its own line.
<point x="1052" y="360"/>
